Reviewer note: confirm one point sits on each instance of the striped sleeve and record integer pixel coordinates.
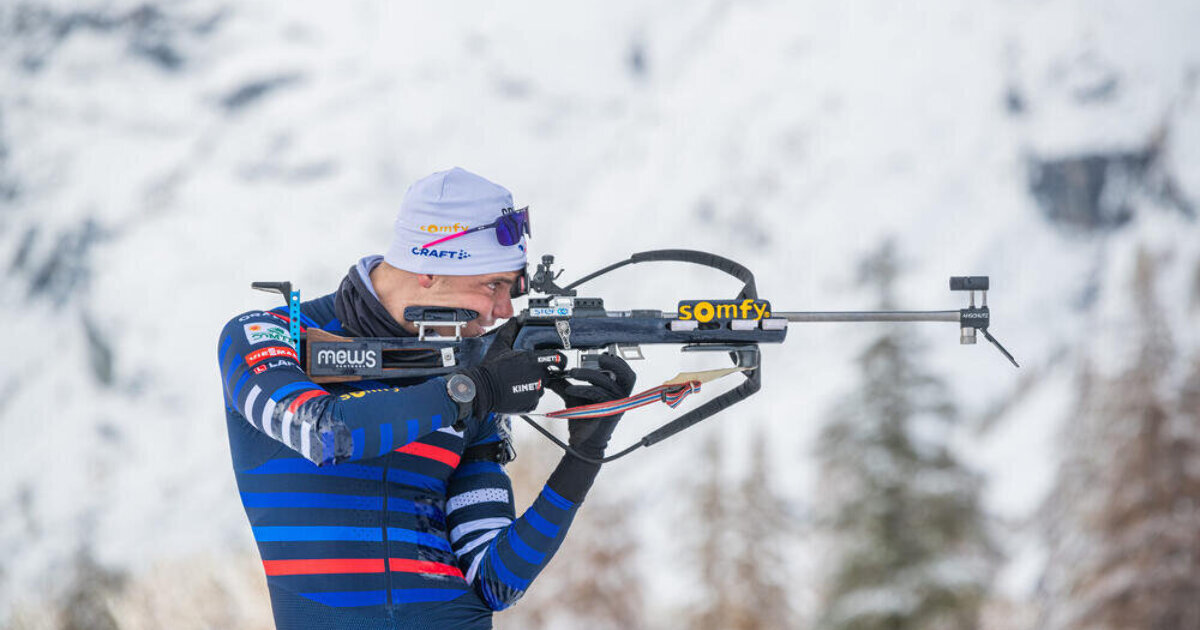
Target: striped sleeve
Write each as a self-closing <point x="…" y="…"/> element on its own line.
<point x="263" y="381"/>
<point x="498" y="554"/>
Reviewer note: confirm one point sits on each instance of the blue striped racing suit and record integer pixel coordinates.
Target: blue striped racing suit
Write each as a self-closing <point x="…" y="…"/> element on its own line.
<point x="364" y="511"/>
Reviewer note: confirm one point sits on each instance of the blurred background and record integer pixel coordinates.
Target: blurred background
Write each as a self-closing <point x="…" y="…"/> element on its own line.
<point x="156" y="157"/>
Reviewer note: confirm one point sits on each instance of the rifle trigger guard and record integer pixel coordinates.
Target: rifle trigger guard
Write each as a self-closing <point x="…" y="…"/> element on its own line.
<point x="742" y="355"/>
<point x="628" y="352"/>
<point x="747" y="357"/>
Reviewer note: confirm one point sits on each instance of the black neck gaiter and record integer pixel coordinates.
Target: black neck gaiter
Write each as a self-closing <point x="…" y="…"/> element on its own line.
<point x="361" y="313"/>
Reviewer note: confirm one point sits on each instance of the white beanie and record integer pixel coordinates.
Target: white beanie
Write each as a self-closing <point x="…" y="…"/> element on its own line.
<point x="446" y="203"/>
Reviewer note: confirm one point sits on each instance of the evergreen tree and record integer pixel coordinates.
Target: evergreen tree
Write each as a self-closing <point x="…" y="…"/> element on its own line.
<point x="743" y="536"/>
<point x="717" y="603"/>
<point x="1123" y="518"/>
<point x="908" y="548"/>
<point x="763" y="530"/>
<point x="592" y="582"/>
<point x="601" y="586"/>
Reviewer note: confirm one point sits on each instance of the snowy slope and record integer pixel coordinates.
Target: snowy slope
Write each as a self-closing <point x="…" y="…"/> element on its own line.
<point x="156" y="160"/>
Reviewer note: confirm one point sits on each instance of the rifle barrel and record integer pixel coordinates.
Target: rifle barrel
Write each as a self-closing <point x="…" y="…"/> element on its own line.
<point x="869" y="316"/>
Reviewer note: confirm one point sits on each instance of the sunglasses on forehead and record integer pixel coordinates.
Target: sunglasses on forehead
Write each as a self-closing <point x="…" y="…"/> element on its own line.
<point x="511" y="225"/>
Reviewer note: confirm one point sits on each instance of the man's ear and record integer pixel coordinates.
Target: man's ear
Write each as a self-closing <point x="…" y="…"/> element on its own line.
<point x="425" y="280"/>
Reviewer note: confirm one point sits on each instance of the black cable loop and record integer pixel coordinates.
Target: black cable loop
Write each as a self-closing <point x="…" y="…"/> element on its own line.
<point x="695" y="257"/>
<point x="570" y="449"/>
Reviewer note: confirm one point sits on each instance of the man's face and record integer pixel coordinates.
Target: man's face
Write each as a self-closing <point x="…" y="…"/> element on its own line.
<point x="486" y="294"/>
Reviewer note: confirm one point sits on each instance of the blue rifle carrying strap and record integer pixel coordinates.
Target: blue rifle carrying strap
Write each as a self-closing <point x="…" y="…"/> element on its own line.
<point x="294" y="316"/>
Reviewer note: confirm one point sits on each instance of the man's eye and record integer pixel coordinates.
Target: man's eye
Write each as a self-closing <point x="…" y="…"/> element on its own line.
<point x="492" y="286"/>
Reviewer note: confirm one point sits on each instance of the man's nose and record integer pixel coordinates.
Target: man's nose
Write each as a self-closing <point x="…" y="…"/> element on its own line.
<point x="503" y="308"/>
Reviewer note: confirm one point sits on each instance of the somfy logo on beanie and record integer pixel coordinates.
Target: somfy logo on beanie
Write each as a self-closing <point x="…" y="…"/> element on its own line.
<point x="446" y="203"/>
<point x="444" y="229"/>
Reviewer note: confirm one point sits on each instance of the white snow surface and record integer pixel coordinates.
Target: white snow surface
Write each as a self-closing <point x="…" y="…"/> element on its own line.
<point x="791" y="137"/>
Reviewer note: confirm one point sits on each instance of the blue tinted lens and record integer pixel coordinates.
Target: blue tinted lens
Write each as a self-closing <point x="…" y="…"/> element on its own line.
<point x="523" y="220"/>
<point x="512" y="225"/>
<point x="507" y="231"/>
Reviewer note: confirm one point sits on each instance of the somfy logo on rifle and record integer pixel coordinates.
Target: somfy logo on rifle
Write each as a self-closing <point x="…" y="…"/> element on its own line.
<point x="705" y="311"/>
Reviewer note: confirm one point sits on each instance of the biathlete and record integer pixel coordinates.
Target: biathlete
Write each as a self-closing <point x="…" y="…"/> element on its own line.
<point x="385" y="504"/>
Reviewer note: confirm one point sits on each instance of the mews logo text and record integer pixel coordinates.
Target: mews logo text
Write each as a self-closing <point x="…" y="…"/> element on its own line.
<point x="347" y="358"/>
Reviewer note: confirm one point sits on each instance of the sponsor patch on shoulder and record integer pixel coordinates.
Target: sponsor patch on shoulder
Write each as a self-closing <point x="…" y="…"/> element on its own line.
<point x="271" y="352"/>
<point x="260" y="332"/>
<point x="271" y="365"/>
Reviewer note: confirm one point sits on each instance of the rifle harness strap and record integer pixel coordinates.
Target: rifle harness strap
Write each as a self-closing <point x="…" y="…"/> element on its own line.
<point x="671" y="392"/>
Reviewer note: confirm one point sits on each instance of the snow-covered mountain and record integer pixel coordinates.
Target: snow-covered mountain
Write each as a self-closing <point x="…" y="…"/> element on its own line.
<point x="156" y="157"/>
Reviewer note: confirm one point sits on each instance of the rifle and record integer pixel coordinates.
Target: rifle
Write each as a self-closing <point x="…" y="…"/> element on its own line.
<point x="557" y="318"/>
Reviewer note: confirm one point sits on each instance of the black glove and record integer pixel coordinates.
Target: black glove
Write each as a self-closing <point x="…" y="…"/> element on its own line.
<point x="573" y="477"/>
<point x="590" y="437"/>
<point x="513" y="381"/>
